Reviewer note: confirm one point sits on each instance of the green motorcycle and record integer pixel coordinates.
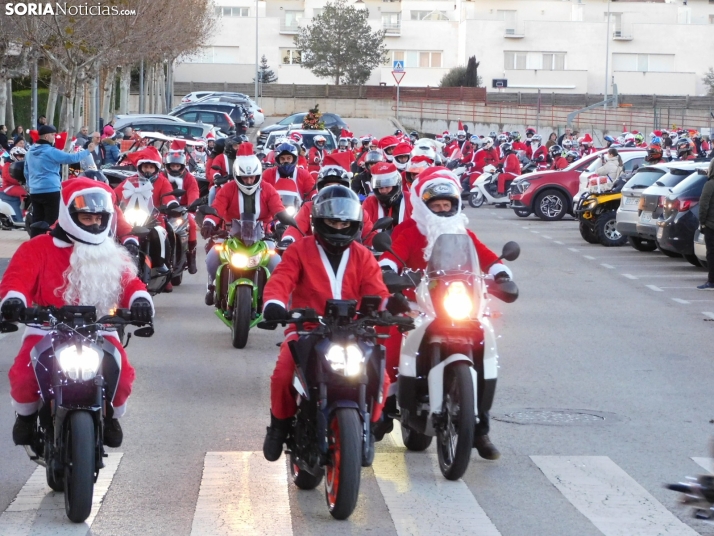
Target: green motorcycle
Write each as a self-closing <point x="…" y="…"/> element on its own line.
<point x="246" y="258"/>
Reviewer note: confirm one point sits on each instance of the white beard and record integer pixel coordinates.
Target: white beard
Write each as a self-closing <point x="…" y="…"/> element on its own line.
<point x="94" y="275"/>
<point x="433" y="226"/>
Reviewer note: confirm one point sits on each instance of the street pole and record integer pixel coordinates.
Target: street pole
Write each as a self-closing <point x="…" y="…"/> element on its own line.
<point x="141" y="86"/>
<point x="397" y="103"/>
<point x="257" y="65"/>
<point x="33" y="86"/>
<point x="607" y="51"/>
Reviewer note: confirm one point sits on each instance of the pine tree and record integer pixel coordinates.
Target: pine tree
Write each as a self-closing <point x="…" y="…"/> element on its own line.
<point x="313" y="119"/>
<point x="265" y="73"/>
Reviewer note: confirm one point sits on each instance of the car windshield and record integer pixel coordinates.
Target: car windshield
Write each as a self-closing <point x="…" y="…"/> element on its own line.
<point x="307" y="140"/>
<point x="673" y="178"/>
<point x="453" y="254"/>
<point x="579" y="163"/>
<point x="692" y="184"/>
<point x="295" y="118"/>
<point x="644" y="178"/>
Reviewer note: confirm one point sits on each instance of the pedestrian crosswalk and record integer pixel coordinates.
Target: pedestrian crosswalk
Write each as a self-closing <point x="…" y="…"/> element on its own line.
<point x="242" y="494"/>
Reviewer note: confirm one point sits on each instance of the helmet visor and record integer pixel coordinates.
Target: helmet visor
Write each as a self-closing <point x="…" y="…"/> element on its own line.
<point x="92" y="203"/>
<point x="338" y="208"/>
<point x="385" y="181"/>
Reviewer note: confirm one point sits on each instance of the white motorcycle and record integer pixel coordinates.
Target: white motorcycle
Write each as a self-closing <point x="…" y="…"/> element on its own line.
<point x="6" y="218"/>
<point x="485" y="189"/>
<point x="437" y="385"/>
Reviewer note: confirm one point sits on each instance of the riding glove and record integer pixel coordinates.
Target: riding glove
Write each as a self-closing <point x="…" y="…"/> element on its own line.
<point x="141" y="310"/>
<point x="274" y="312"/>
<point x="12" y="309"/>
<point x="207" y="229"/>
<point x="398" y="304"/>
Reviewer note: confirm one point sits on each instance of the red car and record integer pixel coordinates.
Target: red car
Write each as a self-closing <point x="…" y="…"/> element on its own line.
<point x="549" y="194"/>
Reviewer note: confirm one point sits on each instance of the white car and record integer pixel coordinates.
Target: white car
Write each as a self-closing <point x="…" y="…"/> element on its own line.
<point x="196" y="95"/>
<point x="223" y="96"/>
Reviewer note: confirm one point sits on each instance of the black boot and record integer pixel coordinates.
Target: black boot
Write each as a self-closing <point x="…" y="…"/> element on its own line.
<point x="209" y="300"/>
<point x="276" y="435"/>
<point x="485" y="448"/>
<point x="191" y="258"/>
<point x="112" y="433"/>
<point x="24" y="429"/>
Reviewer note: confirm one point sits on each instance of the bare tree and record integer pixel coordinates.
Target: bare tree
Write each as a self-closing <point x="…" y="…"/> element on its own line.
<point x="13" y="58"/>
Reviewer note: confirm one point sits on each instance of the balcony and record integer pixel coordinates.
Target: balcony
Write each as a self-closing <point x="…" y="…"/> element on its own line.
<point x="392" y="28"/>
<point x="289" y="28"/>
<point x="515" y="31"/>
<point x="622" y="35"/>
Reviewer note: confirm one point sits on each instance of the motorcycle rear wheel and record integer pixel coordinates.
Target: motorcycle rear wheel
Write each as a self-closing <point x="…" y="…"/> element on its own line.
<point x="79" y="447"/>
<point x="177" y="280"/>
<point x="415" y="441"/>
<point x="476" y="199"/>
<point x="303" y="479"/>
<point x="454" y="440"/>
<point x="240" y="323"/>
<point x="344" y="468"/>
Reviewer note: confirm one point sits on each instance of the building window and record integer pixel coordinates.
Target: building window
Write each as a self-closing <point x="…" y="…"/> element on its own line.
<point x="547" y="61"/>
<point x="217" y="55"/>
<point x="414" y="58"/>
<point x="292" y="18"/>
<point x="391" y="21"/>
<point x="429" y="15"/>
<point x="711" y="19"/>
<point x="291" y="56"/>
<point x="663" y="63"/>
<point x="233" y="11"/>
<point x="509" y="16"/>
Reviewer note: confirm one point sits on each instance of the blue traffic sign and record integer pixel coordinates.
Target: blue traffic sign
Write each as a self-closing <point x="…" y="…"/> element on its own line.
<point x="398" y="65"/>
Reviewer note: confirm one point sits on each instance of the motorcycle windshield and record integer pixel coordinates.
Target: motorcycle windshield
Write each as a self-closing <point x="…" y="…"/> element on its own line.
<point x="453" y="254"/>
<point x="248" y="231"/>
<point x="291" y="202"/>
<point x="138" y="213"/>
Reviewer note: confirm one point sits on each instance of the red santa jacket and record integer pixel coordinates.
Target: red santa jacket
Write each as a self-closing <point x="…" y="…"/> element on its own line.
<point x="9" y="185"/>
<point x="160" y="187"/>
<point x="314" y="158"/>
<point x="209" y="171"/>
<point x="35" y="275"/>
<point x="520" y="146"/>
<point x="229" y="203"/>
<point x="484" y="157"/>
<point x="467" y="150"/>
<point x="560" y="163"/>
<point x="409" y="244"/>
<point x="189" y="183"/>
<point x="511" y="164"/>
<point x="305" y="278"/>
<point x="540" y="151"/>
<point x="304" y="223"/>
<point x="374" y="209"/>
<point x="303" y="179"/>
<point x="223" y="164"/>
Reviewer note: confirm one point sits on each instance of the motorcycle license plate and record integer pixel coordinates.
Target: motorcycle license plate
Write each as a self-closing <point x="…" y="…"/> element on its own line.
<point x="631" y="200"/>
<point x="660" y="232"/>
<point x="645" y="218"/>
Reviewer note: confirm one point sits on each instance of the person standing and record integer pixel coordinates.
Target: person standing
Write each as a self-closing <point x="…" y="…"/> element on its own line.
<point x="552" y="140"/>
<point x="3" y="138"/>
<point x="568" y="135"/>
<point x="42" y="170"/>
<point x="41" y="121"/>
<point x="706" y="224"/>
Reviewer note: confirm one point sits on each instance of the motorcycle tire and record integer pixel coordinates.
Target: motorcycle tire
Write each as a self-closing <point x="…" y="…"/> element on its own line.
<point x="642" y="244"/>
<point x="587" y="233"/>
<point x="177" y="280"/>
<point x="415" y="441"/>
<point x="303" y="479"/>
<point x="344" y="467"/>
<point x="692" y="259"/>
<point x="240" y="323"/>
<point x="476" y="199"/>
<point x="459" y="426"/>
<point x="54" y="479"/>
<point x="607" y="232"/>
<point x="80" y="444"/>
<point x="522" y="212"/>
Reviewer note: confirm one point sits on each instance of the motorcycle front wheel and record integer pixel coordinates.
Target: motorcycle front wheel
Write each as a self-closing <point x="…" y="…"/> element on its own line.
<point x="454" y="440"/>
<point x="476" y="199"/>
<point x="303" y="479"/>
<point x="240" y="323"/>
<point x="344" y="467"/>
<point x="415" y="441"/>
<point x="79" y="447"/>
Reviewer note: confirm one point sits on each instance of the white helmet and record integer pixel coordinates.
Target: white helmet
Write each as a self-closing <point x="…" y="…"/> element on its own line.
<point x="426" y="150"/>
<point x="247" y="166"/>
<point x="17" y="151"/>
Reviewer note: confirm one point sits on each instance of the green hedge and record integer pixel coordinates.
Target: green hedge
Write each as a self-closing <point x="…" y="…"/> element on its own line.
<point x="22" y="106"/>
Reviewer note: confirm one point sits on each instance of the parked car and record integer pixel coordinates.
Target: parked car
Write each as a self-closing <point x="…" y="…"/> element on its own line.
<point x="220" y="119"/>
<point x="307" y="137"/>
<point x="651" y="205"/>
<point x="237" y="113"/>
<point x="333" y="123"/>
<point x="177" y="129"/>
<point x="700" y="249"/>
<point x="118" y="119"/>
<point x="675" y="231"/>
<point x="196" y="95"/>
<point x="256" y="118"/>
<point x="549" y="194"/>
<point x="628" y="214"/>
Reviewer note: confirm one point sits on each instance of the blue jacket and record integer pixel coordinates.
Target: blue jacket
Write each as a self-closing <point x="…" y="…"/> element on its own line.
<point x="43" y="165"/>
<point x="111" y="152"/>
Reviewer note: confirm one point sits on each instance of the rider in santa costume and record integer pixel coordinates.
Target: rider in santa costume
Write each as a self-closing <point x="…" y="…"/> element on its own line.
<point x="387" y="198"/>
<point x="286" y="158"/>
<point x="77" y="263"/>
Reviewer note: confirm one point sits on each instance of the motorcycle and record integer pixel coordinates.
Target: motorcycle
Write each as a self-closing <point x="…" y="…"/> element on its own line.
<point x="437" y="388"/>
<point x="698" y="493"/>
<point x="484" y="188"/>
<point x="245" y="255"/>
<point x="7" y="221"/>
<point x="339" y="375"/>
<point x="77" y="370"/>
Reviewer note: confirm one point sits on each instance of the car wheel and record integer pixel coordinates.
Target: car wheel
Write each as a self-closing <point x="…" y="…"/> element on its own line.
<point x="551" y="205"/>
<point x="642" y="244"/>
<point x="692" y="259"/>
<point x="586" y="231"/>
<point x="669" y="253"/>
<point x="606" y="230"/>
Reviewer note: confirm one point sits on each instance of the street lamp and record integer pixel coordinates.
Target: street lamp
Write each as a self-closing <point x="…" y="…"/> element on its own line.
<point x="257" y="66"/>
<point x="607" y="51"/>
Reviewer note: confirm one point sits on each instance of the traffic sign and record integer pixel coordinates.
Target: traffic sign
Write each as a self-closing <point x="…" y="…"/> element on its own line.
<point x="398" y="75"/>
<point x="398" y="65"/>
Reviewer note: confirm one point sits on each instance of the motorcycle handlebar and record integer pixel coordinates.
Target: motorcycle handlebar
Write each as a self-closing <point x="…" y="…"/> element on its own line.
<point x="383" y="319"/>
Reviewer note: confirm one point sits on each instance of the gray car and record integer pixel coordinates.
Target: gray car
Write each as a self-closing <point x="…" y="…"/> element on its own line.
<point x="628" y="213"/>
<point x="178" y="129"/>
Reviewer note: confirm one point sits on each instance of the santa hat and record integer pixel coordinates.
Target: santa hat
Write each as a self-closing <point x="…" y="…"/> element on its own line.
<point x="461" y="125"/>
<point x="428" y="177"/>
<point x="418" y="163"/>
<point x="146" y="155"/>
<point x="658" y="133"/>
<point x="210" y="136"/>
<point x="296" y="137"/>
<point x="73" y="189"/>
<point x="402" y="149"/>
<point x="587" y="138"/>
<point x="34" y="136"/>
<point x="177" y="145"/>
<point x="245" y="149"/>
<point x="388" y="141"/>
<point x="346" y="134"/>
<point x="61" y="140"/>
<point x="337" y="159"/>
<point x="366" y="138"/>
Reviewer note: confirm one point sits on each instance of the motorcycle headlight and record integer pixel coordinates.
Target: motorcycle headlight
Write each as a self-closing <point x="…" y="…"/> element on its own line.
<point x="135" y="216"/>
<point x="178" y="222"/>
<point x="291" y="210"/>
<point x="241" y="260"/>
<point x="347" y="360"/>
<point x="79" y="362"/>
<point x="457" y="302"/>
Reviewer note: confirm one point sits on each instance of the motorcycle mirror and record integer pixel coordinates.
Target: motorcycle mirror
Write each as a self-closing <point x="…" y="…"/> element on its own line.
<point x="7" y="327"/>
<point x="511" y="251"/>
<point x="178" y="192"/>
<point x="141" y="232"/>
<point x="383" y="223"/>
<point x="286" y="219"/>
<point x="506" y="292"/>
<point x="148" y="331"/>
<point x="207" y="209"/>
<point x="40" y="226"/>
<point x="382" y="242"/>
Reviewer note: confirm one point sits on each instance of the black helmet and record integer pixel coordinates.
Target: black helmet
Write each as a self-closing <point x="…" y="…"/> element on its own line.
<point x="507" y="147"/>
<point x="95" y="175"/>
<point x="336" y="202"/>
<point x="17" y="171"/>
<point x="372" y="157"/>
<point x="398" y="132"/>
<point x="555" y="150"/>
<point x="229" y="147"/>
<point x="332" y="175"/>
<point x="219" y="146"/>
<point x="684" y="146"/>
<point x="414" y="134"/>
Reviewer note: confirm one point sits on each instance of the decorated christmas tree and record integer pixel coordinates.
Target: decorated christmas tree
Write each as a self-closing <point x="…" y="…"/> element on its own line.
<point x="313" y="119"/>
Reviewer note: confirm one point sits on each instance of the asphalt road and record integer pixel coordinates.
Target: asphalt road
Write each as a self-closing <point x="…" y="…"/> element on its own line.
<point x="604" y="395"/>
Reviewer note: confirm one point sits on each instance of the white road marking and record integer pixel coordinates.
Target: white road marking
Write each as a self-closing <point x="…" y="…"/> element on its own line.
<point x="708" y="314"/>
<point x="535" y="232"/>
<point x="396" y="435"/>
<point x="574" y="250"/>
<point x="37" y="510"/>
<point x="524" y="227"/>
<point x="422" y="502"/>
<point x="615" y="503"/>
<point x="654" y="287"/>
<point x="609" y="266"/>
<point x="679" y="300"/>
<point x="629" y="276"/>
<point x="232" y="498"/>
<point x="500" y="217"/>
<point x="548" y="237"/>
<point x="558" y="242"/>
<point x="705" y="463"/>
<point x="678" y="276"/>
<point x="588" y="257"/>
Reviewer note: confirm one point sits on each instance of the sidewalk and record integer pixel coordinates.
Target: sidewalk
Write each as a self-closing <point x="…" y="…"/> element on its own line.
<point x="9" y="242"/>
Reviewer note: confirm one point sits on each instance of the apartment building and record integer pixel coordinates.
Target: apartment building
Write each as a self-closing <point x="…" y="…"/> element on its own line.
<point x="661" y="47"/>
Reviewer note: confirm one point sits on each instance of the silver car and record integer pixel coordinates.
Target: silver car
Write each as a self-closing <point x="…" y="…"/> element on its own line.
<point x="700" y="248"/>
<point x="628" y="213"/>
<point x="651" y="205"/>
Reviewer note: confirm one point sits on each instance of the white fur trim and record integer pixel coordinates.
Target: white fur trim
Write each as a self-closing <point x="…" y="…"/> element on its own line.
<point x="29" y="331"/>
<point x="335" y="279"/>
<point x="130" y="239"/>
<point x="142" y="294"/>
<point x="119" y="411"/>
<point x="26" y="409"/>
<point x="173" y="202"/>
<point x="498" y="268"/>
<point x="278" y="302"/>
<point x="390" y="263"/>
<point x="14" y="294"/>
<point x="67" y="223"/>
<point x="61" y="243"/>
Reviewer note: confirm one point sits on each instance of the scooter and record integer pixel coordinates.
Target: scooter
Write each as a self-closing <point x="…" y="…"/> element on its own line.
<point x="437" y="387"/>
<point x="484" y="188"/>
<point x="77" y="371"/>
<point x="7" y="221"/>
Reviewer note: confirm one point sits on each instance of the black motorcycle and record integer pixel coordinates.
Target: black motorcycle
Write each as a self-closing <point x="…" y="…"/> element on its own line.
<point x="77" y="371"/>
<point x="339" y="375"/>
